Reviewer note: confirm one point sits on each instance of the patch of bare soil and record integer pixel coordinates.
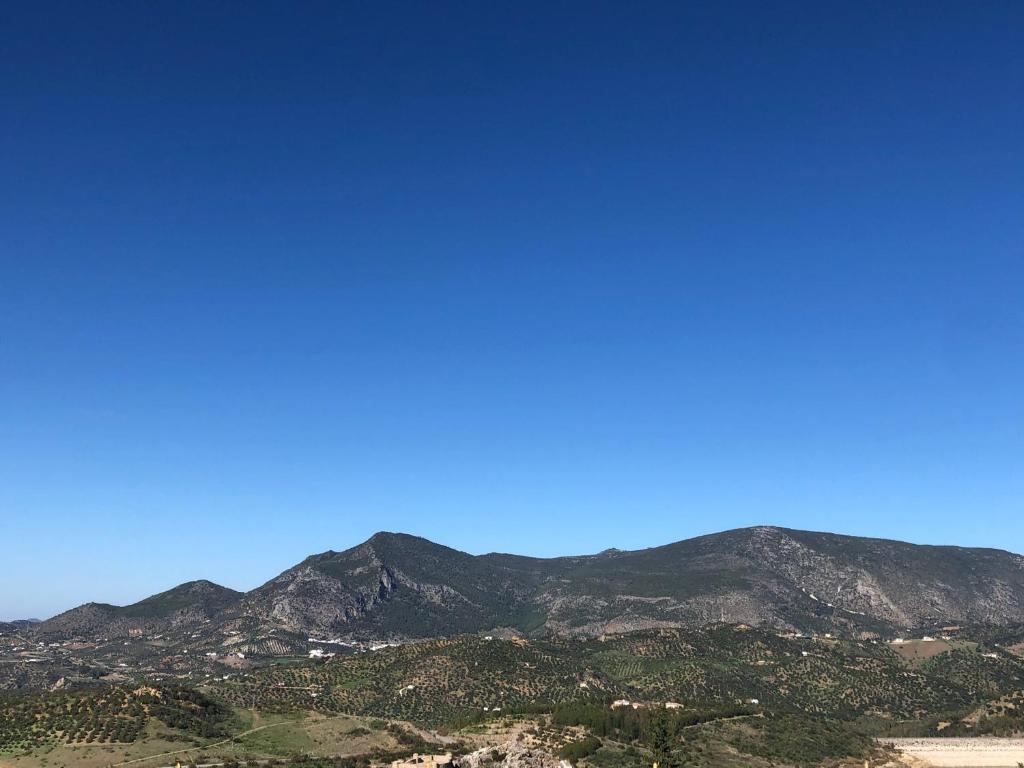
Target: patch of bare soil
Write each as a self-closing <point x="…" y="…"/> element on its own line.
<point x="978" y="752"/>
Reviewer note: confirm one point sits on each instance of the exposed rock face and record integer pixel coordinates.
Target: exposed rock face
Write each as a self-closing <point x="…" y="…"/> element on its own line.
<point x="398" y="586"/>
<point x="903" y="584"/>
<point x="391" y="585"/>
<point x="509" y="755"/>
<point x="307" y="598"/>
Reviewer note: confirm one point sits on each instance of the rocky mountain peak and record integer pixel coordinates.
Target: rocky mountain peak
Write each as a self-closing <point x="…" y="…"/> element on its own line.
<point x="396" y="585"/>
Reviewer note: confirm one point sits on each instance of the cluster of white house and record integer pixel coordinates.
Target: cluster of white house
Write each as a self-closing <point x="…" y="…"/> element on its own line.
<point x="623" y="703"/>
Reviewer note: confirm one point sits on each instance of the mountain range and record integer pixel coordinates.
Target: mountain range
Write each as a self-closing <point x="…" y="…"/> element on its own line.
<point x="395" y="586"/>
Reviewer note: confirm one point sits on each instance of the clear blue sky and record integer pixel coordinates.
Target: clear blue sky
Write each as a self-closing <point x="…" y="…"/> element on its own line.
<point x="532" y="277"/>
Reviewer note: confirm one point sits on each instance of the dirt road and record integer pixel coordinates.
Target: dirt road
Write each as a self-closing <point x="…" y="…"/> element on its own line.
<point x="980" y="752"/>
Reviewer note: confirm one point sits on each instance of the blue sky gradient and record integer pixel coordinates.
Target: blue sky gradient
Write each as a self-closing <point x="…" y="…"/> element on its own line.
<point x="533" y="277"/>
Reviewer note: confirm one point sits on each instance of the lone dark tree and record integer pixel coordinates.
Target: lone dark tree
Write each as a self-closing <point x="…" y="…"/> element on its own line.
<point x="661" y="740"/>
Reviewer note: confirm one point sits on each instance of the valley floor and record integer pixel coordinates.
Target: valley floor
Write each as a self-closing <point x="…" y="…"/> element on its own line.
<point x="975" y="752"/>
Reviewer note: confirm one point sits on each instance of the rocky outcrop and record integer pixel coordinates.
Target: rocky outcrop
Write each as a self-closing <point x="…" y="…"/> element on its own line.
<point x="508" y="755"/>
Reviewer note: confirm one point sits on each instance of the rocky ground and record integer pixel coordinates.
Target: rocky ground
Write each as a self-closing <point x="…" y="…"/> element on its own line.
<point x="511" y="754"/>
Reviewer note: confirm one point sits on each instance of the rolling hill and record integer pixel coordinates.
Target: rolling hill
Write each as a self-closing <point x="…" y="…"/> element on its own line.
<point x="191" y="603"/>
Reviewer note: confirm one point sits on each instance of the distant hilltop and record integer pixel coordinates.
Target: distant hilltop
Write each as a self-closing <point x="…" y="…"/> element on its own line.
<point x="15" y="624"/>
<point x="397" y="586"/>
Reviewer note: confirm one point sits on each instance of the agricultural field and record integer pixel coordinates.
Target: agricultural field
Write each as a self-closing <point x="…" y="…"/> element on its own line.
<point x="247" y="736"/>
<point x="736" y="694"/>
<point x="114" y="715"/>
<point x="917" y="651"/>
<point x="82" y="727"/>
<point x="456" y="680"/>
